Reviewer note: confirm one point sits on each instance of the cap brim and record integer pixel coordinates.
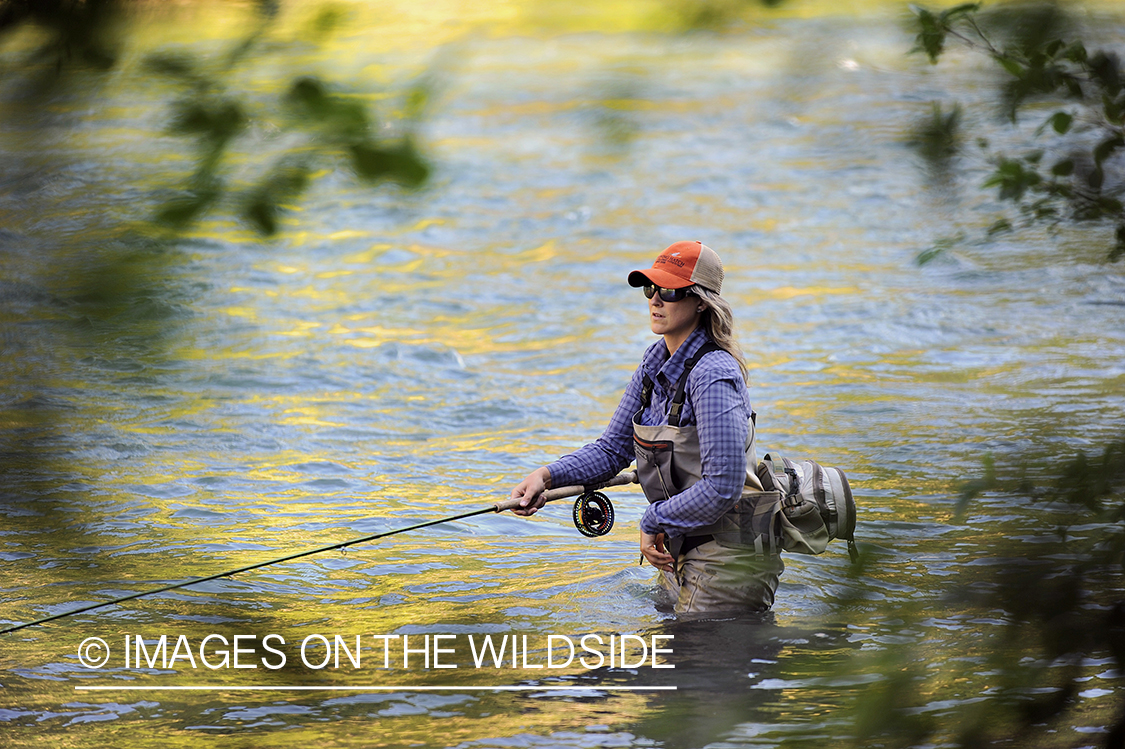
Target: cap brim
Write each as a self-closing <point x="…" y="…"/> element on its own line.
<point x="661" y="278"/>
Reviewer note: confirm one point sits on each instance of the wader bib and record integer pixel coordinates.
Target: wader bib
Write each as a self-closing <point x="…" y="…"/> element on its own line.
<point x="734" y="561"/>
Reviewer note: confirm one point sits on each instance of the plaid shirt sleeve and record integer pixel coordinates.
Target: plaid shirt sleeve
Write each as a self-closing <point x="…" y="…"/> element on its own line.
<point x="606" y="456"/>
<point x="721" y="411"/>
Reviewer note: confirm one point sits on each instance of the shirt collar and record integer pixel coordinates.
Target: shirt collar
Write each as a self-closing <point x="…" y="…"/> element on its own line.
<point x="667" y="370"/>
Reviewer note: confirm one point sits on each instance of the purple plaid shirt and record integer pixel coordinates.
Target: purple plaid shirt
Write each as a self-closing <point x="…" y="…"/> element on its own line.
<point x="717" y="405"/>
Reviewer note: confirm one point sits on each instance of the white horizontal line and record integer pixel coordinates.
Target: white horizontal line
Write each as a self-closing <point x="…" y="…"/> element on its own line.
<point x="404" y="688"/>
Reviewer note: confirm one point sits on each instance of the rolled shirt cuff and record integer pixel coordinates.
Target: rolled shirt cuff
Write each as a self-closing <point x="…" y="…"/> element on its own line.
<point x="648" y="521"/>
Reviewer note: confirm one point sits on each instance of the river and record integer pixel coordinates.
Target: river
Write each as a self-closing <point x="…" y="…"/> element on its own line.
<point x="176" y="408"/>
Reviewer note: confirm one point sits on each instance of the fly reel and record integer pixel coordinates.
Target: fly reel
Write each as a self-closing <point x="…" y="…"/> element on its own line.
<point x="593" y="514"/>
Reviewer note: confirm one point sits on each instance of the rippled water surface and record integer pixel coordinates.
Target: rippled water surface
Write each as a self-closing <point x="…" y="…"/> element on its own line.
<point x="393" y="358"/>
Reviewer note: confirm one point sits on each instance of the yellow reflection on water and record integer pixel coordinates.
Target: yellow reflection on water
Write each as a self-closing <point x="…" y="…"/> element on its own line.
<point x="789" y="292"/>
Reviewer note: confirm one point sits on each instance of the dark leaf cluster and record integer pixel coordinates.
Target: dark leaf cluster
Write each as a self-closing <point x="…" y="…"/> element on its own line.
<point x="1059" y="606"/>
<point x="937" y="138"/>
<point x="1085" y="177"/>
<point x="215" y="112"/>
<point x="1064" y="604"/>
<point x="695" y="15"/>
<point x="338" y="125"/>
<point x="78" y="32"/>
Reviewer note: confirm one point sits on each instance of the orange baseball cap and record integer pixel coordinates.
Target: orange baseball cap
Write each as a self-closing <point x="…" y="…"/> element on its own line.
<point x="683" y="264"/>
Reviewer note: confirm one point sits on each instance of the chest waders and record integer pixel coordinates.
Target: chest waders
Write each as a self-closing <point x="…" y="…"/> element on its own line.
<point x="669" y="460"/>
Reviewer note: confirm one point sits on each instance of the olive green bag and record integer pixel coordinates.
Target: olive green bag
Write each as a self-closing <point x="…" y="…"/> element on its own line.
<point x="816" y="506"/>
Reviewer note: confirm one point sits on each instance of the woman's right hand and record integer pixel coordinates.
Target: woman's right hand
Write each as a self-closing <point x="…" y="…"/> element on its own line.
<point x="652" y="548"/>
<point x="530" y="491"/>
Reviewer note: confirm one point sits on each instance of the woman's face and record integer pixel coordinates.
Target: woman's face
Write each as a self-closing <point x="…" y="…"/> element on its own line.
<point x="677" y="319"/>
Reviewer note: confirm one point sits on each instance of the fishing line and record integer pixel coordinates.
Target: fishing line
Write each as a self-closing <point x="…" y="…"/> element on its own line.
<point x="507" y="504"/>
<point x="591" y="521"/>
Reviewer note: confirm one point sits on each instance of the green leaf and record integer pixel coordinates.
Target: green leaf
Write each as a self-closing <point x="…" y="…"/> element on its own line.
<point x="1012" y="179"/>
<point x="999" y="227"/>
<point x="1061" y="122"/>
<point x="401" y="163"/>
<point x="189" y="117"/>
<point x="1076" y="52"/>
<point x="1105" y="69"/>
<point x="340" y="119"/>
<point x="1109" y="206"/>
<point x="327" y="19"/>
<point x="173" y="65"/>
<point x="1063" y="168"/>
<point x="938" y="249"/>
<point x="263" y="204"/>
<point x="215" y="120"/>
<point x="1043" y="210"/>
<point x="1113" y="108"/>
<point x="179" y="212"/>
<point x="1106" y="148"/>
<point x="931" y="36"/>
<point x="307" y="92"/>
<point x="929" y="255"/>
<point x="1096" y="178"/>
<point x="958" y="10"/>
<point x="1119" y="248"/>
<point x="1012" y="66"/>
<point x="1053" y="47"/>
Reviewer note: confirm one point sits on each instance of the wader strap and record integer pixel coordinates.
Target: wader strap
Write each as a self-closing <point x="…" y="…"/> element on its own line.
<point x="646" y="393"/>
<point x="681" y="389"/>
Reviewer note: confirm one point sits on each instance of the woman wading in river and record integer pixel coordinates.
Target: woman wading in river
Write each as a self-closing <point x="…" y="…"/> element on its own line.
<point x="686" y="418"/>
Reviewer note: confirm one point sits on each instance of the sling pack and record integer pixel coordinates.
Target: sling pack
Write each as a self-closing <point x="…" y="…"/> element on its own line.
<point x="784" y="506"/>
<point x="816" y="505"/>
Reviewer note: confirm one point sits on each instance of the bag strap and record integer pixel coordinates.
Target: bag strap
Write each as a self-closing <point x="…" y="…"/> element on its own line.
<point x="780" y="469"/>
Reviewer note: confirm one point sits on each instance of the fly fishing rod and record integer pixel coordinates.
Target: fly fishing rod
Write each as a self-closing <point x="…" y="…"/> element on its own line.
<point x="593" y="516"/>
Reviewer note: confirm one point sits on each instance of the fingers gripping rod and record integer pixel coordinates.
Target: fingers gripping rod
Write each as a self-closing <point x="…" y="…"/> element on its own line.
<point x="571" y="491"/>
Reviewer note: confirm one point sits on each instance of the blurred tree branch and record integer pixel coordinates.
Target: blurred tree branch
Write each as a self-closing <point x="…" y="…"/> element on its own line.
<point x="1073" y="171"/>
<point x="1049" y="601"/>
<point x="215" y="112"/>
<point x="89" y="295"/>
<point x="1017" y="636"/>
<point x="77" y="31"/>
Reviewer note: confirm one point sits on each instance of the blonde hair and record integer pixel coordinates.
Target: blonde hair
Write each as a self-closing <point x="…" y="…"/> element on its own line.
<point x="719" y="319"/>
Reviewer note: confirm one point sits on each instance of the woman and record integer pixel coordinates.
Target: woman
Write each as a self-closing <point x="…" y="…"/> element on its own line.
<point x="687" y="399"/>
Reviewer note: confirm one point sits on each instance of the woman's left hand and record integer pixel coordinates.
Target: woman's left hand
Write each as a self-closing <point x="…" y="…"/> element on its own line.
<point x="652" y="547"/>
<point x="530" y="491"/>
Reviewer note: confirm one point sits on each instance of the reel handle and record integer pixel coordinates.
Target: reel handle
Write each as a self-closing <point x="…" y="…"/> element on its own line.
<point x="570" y="491"/>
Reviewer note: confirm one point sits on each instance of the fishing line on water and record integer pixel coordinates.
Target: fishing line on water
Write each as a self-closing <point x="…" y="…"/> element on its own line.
<point x="507" y="504"/>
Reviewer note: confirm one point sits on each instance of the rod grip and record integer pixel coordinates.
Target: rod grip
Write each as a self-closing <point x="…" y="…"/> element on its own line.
<point x="570" y="491"/>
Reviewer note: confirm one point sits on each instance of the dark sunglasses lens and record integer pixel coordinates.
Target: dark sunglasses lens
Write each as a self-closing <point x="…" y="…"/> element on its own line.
<point x="667" y="295"/>
<point x="673" y="295"/>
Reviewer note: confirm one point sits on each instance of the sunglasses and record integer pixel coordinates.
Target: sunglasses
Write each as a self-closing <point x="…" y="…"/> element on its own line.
<point x="666" y="295"/>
